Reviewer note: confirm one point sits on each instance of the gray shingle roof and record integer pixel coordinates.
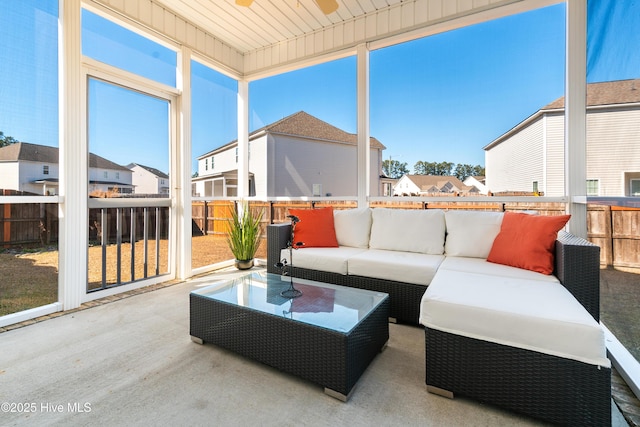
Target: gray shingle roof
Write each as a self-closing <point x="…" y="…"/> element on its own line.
<point x="25" y="151"/>
<point x="606" y="93"/>
<point x="303" y="124"/>
<point x="154" y="171"/>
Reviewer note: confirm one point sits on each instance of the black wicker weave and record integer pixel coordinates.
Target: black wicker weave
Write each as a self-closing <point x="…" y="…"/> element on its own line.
<point x="330" y="358"/>
<point x="550" y="388"/>
<point x="405" y="297"/>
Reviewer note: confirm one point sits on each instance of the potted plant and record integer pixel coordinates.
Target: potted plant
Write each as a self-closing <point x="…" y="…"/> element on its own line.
<point x="245" y="232"/>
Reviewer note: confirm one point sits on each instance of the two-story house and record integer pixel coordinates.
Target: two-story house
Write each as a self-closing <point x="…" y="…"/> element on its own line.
<point x="34" y="168"/>
<point x="299" y="155"/>
<point x="148" y="180"/>
<point x="530" y="157"/>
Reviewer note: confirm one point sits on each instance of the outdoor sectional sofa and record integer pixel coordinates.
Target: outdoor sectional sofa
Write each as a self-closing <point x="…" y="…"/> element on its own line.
<point x="514" y="336"/>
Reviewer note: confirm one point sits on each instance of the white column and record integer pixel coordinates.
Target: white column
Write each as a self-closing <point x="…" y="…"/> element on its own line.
<point x="72" y="211"/>
<point x="182" y="167"/>
<point x="364" y="140"/>
<point x="575" y="116"/>
<point x="243" y="138"/>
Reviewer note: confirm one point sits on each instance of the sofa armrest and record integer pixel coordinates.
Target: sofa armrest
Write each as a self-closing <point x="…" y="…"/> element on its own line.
<point x="577" y="266"/>
<point x="278" y="236"/>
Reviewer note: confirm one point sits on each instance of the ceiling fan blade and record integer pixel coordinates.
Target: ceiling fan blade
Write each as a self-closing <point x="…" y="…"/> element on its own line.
<point x="245" y="3"/>
<point x="327" y="6"/>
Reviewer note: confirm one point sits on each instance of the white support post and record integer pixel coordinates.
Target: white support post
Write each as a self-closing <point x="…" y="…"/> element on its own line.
<point x="364" y="140"/>
<point x="575" y="116"/>
<point x="72" y="211"/>
<point x="243" y="138"/>
<point x="182" y="167"/>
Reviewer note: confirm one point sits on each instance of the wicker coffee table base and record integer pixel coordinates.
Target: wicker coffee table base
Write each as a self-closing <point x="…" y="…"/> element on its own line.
<point x="332" y="359"/>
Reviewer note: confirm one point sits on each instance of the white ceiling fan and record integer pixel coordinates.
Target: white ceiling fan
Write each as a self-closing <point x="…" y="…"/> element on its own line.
<point x="326" y="6"/>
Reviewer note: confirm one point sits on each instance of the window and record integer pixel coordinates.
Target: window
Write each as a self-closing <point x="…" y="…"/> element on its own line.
<point x="117" y="175"/>
<point x="206" y="164"/>
<point x="635" y="187"/>
<point x="113" y="44"/>
<point x="535" y="187"/>
<point x="45" y="169"/>
<point x="105" y="174"/>
<point x="212" y="163"/>
<point x="593" y="187"/>
<point x="236" y="154"/>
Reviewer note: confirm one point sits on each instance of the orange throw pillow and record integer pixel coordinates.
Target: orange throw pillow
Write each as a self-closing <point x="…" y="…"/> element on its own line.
<point x="527" y="241"/>
<point x="315" y="229"/>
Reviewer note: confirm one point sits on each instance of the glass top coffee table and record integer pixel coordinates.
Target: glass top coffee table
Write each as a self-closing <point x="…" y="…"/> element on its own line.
<point x="329" y="335"/>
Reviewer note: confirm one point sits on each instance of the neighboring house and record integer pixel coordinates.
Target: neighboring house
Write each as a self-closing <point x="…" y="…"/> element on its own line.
<point x="148" y="180"/>
<point x="299" y="155"/>
<point x="34" y="168"/>
<point x="423" y="185"/>
<point x="477" y="182"/>
<point x="530" y="157"/>
<point x="387" y="185"/>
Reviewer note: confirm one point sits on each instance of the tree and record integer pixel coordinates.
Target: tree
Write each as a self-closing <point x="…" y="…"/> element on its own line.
<point x="6" y="140"/>
<point x="394" y="169"/>
<point x="463" y="171"/>
<point x="433" y="168"/>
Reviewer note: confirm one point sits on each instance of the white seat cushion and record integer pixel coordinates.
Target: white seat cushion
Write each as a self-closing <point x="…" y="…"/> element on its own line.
<point x="333" y="260"/>
<point x="353" y="227"/>
<point x="408" y="267"/>
<point x="471" y="233"/>
<point x="482" y="266"/>
<point x="408" y="230"/>
<point x="534" y="315"/>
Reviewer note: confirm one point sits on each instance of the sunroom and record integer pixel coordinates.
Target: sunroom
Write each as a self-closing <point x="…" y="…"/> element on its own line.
<point x="163" y="82"/>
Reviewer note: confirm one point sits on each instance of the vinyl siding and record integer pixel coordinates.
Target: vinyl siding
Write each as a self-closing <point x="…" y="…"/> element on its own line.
<point x="517" y="162"/>
<point x="613" y="148"/>
<point x="554" y="180"/>
<point x="301" y="163"/>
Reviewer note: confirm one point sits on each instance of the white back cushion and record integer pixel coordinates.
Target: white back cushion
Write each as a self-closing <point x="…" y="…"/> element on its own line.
<point x="353" y="227"/>
<point x="471" y="233"/>
<point x="408" y="230"/>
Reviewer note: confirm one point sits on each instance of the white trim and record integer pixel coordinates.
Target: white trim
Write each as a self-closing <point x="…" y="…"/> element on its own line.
<point x="364" y="128"/>
<point x="117" y="76"/>
<point x="623" y="361"/>
<point x="575" y="139"/>
<point x="73" y="159"/>
<point x="243" y="138"/>
<point x="181" y="167"/>
<point x="32" y="313"/>
<point x="30" y="199"/>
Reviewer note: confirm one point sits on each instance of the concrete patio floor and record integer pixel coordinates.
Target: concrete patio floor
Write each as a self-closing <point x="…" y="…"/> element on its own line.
<point x="131" y="362"/>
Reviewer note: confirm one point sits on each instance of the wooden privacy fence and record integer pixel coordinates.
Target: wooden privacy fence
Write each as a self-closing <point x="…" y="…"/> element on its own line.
<point x="615" y="229"/>
<point x="30" y="223"/>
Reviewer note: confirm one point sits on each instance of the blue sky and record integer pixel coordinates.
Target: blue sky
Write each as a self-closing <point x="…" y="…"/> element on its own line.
<point x="441" y="98"/>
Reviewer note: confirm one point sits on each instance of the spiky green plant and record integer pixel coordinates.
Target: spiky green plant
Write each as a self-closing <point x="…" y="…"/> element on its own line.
<point x="244" y="233"/>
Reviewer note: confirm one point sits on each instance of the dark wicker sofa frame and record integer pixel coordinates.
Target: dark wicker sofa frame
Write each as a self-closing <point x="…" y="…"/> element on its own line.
<point x="404" y="297"/>
<point x="550" y="388"/>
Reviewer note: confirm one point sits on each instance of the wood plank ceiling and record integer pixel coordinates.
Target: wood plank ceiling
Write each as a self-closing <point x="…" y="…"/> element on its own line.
<point x="273" y="36"/>
<point x="268" y="22"/>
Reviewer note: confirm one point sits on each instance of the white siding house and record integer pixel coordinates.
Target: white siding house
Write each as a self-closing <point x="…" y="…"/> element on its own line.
<point x="423" y="185"/>
<point x="299" y="155"/>
<point x="148" y="180"/>
<point x="34" y="168"/>
<point x="530" y="157"/>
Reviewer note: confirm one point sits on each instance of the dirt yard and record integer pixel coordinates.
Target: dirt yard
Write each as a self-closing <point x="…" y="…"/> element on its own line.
<point x="30" y="277"/>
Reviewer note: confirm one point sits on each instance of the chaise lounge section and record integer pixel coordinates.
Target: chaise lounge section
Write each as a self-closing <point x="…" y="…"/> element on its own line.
<point x="506" y="322"/>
